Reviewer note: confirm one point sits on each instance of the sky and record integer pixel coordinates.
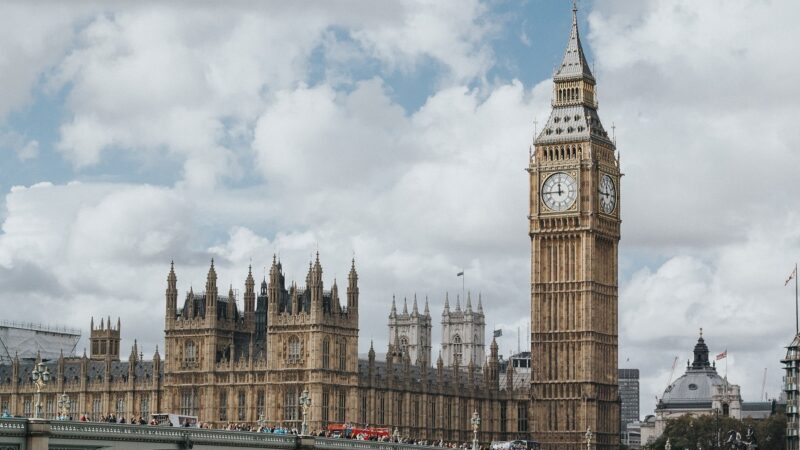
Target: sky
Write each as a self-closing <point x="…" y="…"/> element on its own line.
<point x="396" y="133"/>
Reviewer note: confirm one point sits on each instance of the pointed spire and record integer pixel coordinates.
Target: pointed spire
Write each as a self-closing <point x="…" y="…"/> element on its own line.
<point x="574" y="65"/>
<point x="446" y="304"/>
<point x="211" y="270"/>
<point x="371" y="354"/>
<point x="156" y="356"/>
<point x="480" y="304"/>
<point x="469" y="302"/>
<point x="427" y="309"/>
<point x="414" y="309"/>
<point x="405" y="306"/>
<point x="171" y="278"/>
<point x="458" y="303"/>
<point x="393" y="313"/>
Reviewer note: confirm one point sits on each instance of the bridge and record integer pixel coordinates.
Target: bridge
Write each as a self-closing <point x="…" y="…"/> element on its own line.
<point x="32" y="434"/>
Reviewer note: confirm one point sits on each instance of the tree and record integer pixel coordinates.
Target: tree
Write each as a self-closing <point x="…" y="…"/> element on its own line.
<point x="708" y="431"/>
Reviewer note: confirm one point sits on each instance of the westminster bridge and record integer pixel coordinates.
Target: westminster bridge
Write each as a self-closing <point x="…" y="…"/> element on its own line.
<point x="27" y="434"/>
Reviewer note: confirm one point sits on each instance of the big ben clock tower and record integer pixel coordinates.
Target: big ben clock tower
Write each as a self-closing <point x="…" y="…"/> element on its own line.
<point x="574" y="230"/>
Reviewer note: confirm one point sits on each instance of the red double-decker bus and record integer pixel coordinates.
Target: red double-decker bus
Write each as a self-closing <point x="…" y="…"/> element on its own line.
<point x="357" y="432"/>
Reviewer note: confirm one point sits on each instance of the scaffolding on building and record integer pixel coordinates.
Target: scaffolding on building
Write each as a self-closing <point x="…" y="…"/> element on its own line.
<point x="27" y="340"/>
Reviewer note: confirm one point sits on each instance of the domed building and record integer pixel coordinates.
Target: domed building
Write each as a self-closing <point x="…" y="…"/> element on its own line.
<point x="699" y="391"/>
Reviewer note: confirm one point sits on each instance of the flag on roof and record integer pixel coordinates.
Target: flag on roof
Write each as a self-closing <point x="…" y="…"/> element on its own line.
<point x="460" y="274"/>
<point x="498" y="333"/>
<point x="791" y="275"/>
<point x="723" y="355"/>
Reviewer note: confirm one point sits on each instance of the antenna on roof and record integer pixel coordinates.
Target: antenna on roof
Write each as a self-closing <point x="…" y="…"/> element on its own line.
<point x="614" y="138"/>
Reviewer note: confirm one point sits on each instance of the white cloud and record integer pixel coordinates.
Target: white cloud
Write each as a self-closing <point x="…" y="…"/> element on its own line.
<point x="158" y="78"/>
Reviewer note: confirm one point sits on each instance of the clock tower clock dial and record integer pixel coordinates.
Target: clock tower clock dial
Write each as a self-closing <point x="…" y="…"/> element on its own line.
<point x="608" y="194"/>
<point x="574" y="229"/>
<point x="559" y="191"/>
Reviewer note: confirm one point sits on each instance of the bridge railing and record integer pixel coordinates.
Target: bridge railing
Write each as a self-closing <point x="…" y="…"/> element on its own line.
<point x="60" y="431"/>
<point x="13" y="427"/>
<point x="109" y="431"/>
<point x="355" y="444"/>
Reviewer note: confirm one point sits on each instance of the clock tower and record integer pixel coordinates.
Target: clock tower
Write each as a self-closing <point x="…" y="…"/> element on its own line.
<point x="574" y="230"/>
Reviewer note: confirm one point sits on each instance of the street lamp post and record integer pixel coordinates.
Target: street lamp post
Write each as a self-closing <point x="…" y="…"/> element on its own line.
<point x="476" y="423"/>
<point x="589" y="436"/>
<point x="64" y="405"/>
<point x="305" y="403"/>
<point x="40" y="376"/>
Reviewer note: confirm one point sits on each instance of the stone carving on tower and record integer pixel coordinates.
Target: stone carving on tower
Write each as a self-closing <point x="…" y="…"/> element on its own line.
<point x="463" y="333"/>
<point x="574" y="231"/>
<point x="412" y="332"/>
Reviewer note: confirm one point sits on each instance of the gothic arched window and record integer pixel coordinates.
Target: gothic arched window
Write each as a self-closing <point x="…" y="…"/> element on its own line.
<point x="342" y="355"/>
<point x="293" y="352"/>
<point x="326" y="353"/>
<point x="457" y="350"/>
<point x="403" y="344"/>
<point x="190" y="352"/>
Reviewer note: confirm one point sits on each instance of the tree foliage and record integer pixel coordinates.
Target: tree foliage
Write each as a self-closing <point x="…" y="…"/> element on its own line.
<point x="700" y="432"/>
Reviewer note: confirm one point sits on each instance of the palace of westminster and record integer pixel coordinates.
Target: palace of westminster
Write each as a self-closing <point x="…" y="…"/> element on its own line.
<point x="226" y="364"/>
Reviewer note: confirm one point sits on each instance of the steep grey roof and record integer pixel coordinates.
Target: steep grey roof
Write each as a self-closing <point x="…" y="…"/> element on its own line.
<point x="574" y="64"/>
<point x="382" y="373"/>
<point x="96" y="371"/>
<point x="572" y="123"/>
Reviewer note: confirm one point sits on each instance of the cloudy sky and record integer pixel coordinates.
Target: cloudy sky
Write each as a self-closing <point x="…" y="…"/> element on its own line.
<point x="135" y="134"/>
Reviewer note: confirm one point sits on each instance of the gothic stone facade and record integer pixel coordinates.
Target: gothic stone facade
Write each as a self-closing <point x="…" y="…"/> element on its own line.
<point x="220" y="367"/>
<point x="574" y="231"/>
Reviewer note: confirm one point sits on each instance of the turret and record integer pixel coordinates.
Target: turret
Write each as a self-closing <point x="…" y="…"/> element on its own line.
<point x="172" y="292"/>
<point x="231" y="312"/>
<point x="510" y="375"/>
<point x="405" y="307"/>
<point x="446" y="310"/>
<point x="156" y="365"/>
<point x="133" y="359"/>
<point x="414" y="310"/>
<point x="276" y="286"/>
<point x="493" y="372"/>
<point x="211" y="294"/>
<point x="189" y="312"/>
<point x="480" y="305"/>
<point x="335" y="306"/>
<point x="393" y="312"/>
<point x="104" y="341"/>
<point x="249" y="296"/>
<point x="352" y="288"/>
<point x="468" y="308"/>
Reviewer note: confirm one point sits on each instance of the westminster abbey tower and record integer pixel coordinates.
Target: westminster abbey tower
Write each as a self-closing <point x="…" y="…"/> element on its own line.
<point x="574" y="230"/>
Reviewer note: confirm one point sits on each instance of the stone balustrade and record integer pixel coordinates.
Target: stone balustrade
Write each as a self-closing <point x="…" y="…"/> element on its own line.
<point x="22" y="434"/>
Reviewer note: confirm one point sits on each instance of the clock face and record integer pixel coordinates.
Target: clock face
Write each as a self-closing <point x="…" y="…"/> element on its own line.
<point x="608" y="194"/>
<point x="559" y="191"/>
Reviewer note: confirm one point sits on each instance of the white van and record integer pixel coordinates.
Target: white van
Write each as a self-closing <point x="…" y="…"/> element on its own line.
<point x="175" y="420"/>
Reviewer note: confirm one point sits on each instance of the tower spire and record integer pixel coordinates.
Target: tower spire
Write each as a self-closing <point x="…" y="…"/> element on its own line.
<point x="574" y="65"/>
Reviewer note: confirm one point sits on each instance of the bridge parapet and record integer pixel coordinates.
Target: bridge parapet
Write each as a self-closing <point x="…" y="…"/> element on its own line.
<point x="354" y="444"/>
<point x="25" y="434"/>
